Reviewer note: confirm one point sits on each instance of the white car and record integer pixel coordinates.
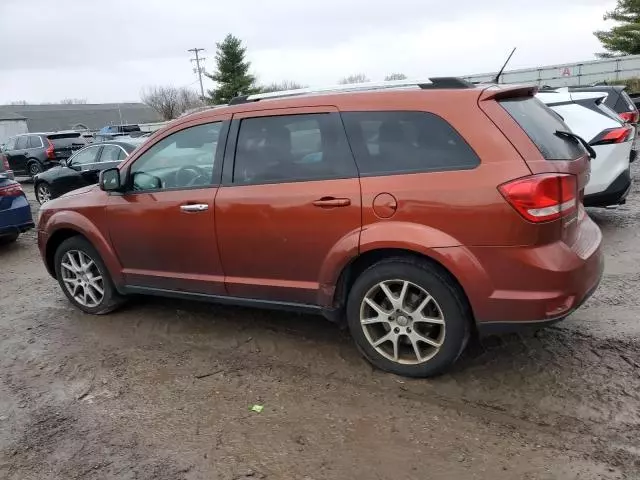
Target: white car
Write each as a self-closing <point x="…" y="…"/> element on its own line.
<point x="588" y="117"/>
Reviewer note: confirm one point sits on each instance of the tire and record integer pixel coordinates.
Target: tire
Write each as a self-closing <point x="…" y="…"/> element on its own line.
<point x="447" y="307"/>
<point x="81" y="252"/>
<point x="7" y="239"/>
<point x="34" y="168"/>
<point x="43" y="192"/>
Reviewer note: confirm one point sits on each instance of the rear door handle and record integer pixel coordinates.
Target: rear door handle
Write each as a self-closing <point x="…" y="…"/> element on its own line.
<point x="330" y="202"/>
<point x="195" y="207"/>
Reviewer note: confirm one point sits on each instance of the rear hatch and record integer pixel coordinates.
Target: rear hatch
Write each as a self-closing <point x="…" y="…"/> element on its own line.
<point x="558" y="161"/>
<point x="64" y="144"/>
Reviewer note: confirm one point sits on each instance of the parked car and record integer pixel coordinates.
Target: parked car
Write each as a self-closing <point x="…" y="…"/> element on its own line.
<point x="616" y="98"/>
<point x="81" y="169"/>
<point x="15" y="212"/>
<point x="111" y="132"/>
<point x="32" y="153"/>
<point x="415" y="213"/>
<point x="612" y="139"/>
<point x="4" y="165"/>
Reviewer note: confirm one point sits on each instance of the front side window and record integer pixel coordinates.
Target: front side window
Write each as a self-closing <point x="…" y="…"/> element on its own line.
<point x="184" y="159"/>
<point x="292" y="148"/>
<point x="22" y="142"/>
<point x="394" y="142"/>
<point x="86" y="156"/>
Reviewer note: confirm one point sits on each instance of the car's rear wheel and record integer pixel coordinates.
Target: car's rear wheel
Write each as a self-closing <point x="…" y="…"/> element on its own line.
<point x="84" y="278"/>
<point x="43" y="192"/>
<point x="407" y="317"/>
<point x="34" y="169"/>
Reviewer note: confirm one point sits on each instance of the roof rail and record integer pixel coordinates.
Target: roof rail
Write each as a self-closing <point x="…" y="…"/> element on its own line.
<point x="431" y="83"/>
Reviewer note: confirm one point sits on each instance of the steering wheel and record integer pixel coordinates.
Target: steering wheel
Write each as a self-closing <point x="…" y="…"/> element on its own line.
<point x="187" y="176"/>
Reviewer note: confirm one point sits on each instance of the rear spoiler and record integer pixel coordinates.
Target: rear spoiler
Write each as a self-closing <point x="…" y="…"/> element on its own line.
<point x="500" y="92"/>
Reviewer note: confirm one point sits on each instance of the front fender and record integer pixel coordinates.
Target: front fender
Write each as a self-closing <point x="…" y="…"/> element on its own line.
<point x="74" y="220"/>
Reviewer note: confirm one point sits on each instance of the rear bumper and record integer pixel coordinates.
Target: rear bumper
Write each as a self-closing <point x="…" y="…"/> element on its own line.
<point x="17" y="218"/>
<point x="511" y="288"/>
<point x="615" y="194"/>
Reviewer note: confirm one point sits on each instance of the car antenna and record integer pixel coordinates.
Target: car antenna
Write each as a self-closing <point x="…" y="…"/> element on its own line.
<point x="497" y="77"/>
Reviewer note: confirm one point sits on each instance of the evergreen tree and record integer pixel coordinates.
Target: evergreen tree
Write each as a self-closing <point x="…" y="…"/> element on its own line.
<point x="232" y="72"/>
<point x="624" y="38"/>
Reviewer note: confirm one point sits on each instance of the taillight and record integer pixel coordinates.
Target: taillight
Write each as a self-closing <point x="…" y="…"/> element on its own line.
<point x="50" y="151"/>
<point x="630" y="117"/>
<point x="613" y="135"/>
<point x="11" y="190"/>
<point x="543" y="197"/>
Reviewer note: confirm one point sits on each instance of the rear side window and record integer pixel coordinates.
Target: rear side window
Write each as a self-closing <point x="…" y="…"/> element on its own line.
<point x="540" y="123"/>
<point x="292" y="148"/>
<point x="61" y="140"/>
<point x="35" y="142"/>
<point x="405" y="142"/>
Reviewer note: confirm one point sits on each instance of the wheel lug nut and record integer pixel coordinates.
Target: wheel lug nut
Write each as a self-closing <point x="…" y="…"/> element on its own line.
<point x="396" y="330"/>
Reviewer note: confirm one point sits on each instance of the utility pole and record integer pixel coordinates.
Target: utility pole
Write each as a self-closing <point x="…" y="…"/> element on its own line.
<point x="198" y="60"/>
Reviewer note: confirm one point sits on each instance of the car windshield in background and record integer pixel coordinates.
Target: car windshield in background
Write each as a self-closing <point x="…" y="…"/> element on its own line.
<point x="130" y="128"/>
<point x="540" y="123"/>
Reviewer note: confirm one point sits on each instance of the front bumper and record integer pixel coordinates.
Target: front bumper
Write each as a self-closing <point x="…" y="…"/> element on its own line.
<point x="615" y="194"/>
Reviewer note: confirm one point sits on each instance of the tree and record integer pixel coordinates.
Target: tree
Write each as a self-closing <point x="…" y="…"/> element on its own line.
<point x="280" y="86"/>
<point x="170" y="102"/>
<point x="232" y="72"/>
<point x="624" y="38"/>
<point x="357" y="78"/>
<point x="395" y="76"/>
<point x="19" y="102"/>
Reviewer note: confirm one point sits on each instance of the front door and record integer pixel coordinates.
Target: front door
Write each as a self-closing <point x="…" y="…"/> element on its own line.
<point x="290" y="198"/>
<point x="162" y="227"/>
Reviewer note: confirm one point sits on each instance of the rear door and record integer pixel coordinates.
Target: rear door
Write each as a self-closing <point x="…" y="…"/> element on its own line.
<point x="290" y="197"/>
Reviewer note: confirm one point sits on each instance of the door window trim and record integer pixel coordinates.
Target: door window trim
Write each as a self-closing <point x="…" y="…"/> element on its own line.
<point x="41" y="143"/>
<point x="217" y="161"/>
<point x="234" y="133"/>
<point x="99" y="147"/>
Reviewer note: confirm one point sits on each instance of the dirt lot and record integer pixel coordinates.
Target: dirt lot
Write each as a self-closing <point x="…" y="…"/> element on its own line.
<point x="162" y="390"/>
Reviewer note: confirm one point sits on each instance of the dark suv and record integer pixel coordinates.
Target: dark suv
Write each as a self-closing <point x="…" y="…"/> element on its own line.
<point x="416" y="213"/>
<point x="32" y="153"/>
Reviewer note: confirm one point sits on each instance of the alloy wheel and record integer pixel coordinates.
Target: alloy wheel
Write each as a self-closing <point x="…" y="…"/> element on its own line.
<point x="82" y="278"/>
<point x="34" y="169"/>
<point x="43" y="193"/>
<point x="402" y="322"/>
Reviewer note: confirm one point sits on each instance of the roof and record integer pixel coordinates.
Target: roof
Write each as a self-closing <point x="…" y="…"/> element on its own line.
<point x="54" y="117"/>
<point x="8" y="115"/>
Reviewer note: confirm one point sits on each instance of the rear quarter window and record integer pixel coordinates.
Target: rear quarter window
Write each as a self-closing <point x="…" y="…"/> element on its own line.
<point x="395" y="142"/>
<point x="540" y="123"/>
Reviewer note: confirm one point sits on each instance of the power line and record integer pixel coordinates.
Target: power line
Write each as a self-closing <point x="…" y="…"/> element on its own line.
<point x="198" y="60"/>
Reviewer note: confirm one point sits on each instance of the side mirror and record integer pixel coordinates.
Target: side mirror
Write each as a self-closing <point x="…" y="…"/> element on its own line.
<point x="110" y="180"/>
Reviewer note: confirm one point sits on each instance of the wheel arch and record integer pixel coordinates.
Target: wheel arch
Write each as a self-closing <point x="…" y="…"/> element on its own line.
<point x="357" y="265"/>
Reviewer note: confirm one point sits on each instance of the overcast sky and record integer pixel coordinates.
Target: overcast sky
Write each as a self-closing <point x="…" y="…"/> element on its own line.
<point x="107" y="51"/>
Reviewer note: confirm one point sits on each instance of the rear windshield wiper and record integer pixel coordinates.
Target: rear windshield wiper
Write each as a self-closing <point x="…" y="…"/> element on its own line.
<point x="578" y="139"/>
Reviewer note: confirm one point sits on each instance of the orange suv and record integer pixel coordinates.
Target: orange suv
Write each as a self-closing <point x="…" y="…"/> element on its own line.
<point x="417" y="213"/>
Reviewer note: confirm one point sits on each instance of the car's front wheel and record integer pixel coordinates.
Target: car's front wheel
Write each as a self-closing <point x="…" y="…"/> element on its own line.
<point x="407" y="317"/>
<point x="84" y="278"/>
<point x="43" y="192"/>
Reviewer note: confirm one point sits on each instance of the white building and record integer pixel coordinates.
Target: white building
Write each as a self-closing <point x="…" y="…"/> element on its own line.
<point x="11" y="124"/>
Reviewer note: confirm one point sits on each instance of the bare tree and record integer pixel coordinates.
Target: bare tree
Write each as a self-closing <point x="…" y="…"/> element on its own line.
<point x="170" y="102"/>
<point x="19" y="102"/>
<point x="357" y="78"/>
<point x="395" y="76"/>
<point x="73" y="101"/>
<point x="280" y="86"/>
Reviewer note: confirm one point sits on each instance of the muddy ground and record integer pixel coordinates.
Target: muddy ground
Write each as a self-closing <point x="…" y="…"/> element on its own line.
<point x="163" y="389"/>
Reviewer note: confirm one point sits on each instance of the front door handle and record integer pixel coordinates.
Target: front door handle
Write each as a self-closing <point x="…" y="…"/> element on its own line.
<point x="195" y="207"/>
<point x="330" y="202"/>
